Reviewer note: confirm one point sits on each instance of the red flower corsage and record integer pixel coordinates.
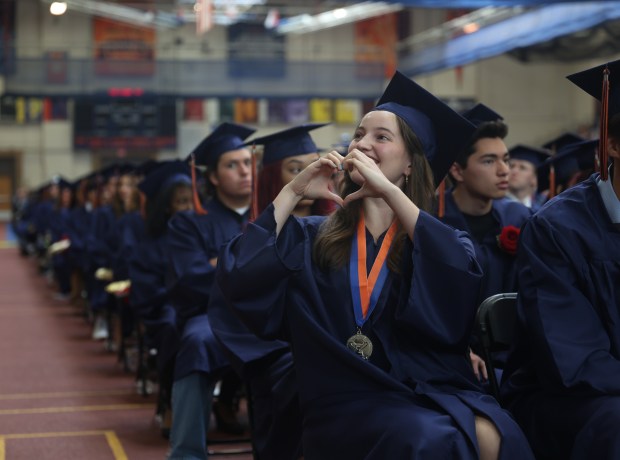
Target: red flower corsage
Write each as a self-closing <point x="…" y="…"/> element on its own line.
<point x="508" y="239"/>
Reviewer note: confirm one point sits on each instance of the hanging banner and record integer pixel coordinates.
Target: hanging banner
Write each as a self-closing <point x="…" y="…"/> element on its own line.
<point x="123" y="49"/>
<point x="375" y="43"/>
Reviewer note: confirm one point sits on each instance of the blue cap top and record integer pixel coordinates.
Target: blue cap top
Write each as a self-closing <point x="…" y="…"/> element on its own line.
<point x="168" y="173"/>
<point x="534" y="155"/>
<point x="444" y="134"/>
<point x="562" y="140"/>
<point x="480" y="113"/>
<point x="225" y="138"/>
<point x="147" y="166"/>
<point x="591" y="81"/>
<point x="572" y="158"/>
<point x="288" y="143"/>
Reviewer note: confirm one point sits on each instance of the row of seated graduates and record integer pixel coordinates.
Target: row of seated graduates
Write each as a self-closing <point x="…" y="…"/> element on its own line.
<point x="100" y="264"/>
<point x="96" y="224"/>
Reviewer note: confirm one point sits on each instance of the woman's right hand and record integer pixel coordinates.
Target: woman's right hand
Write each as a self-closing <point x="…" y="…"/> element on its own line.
<point x="313" y="183"/>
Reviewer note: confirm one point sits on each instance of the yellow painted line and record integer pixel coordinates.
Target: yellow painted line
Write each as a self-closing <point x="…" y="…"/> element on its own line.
<point x="60" y="410"/>
<point x="113" y="442"/>
<point x="59" y="434"/>
<point x="65" y="394"/>
<point x="115" y="445"/>
<point x="7" y="244"/>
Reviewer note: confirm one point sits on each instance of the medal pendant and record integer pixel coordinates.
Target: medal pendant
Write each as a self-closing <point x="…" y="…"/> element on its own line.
<point x="360" y="344"/>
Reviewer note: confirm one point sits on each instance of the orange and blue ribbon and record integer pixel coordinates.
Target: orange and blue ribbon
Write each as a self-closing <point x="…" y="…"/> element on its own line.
<point x="365" y="289"/>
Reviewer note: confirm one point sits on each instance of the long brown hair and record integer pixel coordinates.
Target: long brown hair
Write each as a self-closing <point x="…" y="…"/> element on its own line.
<point x="332" y="246"/>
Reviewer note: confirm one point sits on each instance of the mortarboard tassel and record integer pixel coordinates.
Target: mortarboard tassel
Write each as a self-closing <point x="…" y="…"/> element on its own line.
<point x="441" y="199"/>
<point x="198" y="209"/>
<point x="142" y="198"/>
<point x="602" y="148"/>
<point x="551" y="182"/>
<point x="254" y="204"/>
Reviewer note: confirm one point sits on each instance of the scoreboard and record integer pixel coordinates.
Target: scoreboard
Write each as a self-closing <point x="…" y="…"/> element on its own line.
<point x="130" y="122"/>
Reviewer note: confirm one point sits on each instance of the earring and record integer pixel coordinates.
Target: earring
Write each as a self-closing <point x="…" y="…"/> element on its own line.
<point x="406" y="181"/>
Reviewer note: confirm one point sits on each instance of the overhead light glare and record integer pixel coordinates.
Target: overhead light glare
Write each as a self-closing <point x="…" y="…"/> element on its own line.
<point x="340" y="13"/>
<point x="58" y="8"/>
<point x="305" y="23"/>
<point x="471" y="28"/>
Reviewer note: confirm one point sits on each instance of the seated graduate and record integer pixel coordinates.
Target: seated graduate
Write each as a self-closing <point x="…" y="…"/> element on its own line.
<point x="58" y="225"/>
<point x="167" y="190"/>
<point x="561" y="382"/>
<point x="573" y="164"/>
<point x="381" y="357"/>
<point x="267" y="365"/>
<point x="523" y="181"/>
<point x="194" y="239"/>
<point x="478" y="205"/>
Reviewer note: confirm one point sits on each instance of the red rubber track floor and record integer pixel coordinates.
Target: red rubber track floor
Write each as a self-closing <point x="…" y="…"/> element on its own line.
<point x="62" y="395"/>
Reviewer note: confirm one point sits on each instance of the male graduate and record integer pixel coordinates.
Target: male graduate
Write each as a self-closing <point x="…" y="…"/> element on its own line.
<point x="478" y="205"/>
<point x="523" y="184"/>
<point x="194" y="239"/>
<point x="562" y="381"/>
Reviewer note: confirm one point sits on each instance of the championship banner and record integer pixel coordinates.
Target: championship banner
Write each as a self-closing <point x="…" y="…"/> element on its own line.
<point x="123" y="49"/>
<point x="375" y="43"/>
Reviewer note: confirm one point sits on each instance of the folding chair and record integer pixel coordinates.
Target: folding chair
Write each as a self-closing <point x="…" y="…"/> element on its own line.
<point x="496" y="320"/>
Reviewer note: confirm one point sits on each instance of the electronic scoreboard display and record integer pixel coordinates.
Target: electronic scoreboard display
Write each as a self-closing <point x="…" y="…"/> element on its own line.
<point x="129" y="121"/>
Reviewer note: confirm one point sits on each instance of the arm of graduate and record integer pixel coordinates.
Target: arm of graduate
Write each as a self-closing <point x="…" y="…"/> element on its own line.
<point x="190" y="273"/>
<point x="146" y="272"/>
<point x="566" y="331"/>
<point x="445" y="284"/>
<point x="254" y="268"/>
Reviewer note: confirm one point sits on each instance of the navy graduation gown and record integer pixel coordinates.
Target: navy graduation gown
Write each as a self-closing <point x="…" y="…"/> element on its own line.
<point x="61" y="262"/>
<point x="194" y="241"/>
<point x="80" y="221"/>
<point x="498" y="266"/>
<point x="129" y="231"/>
<point x="416" y="396"/>
<point x="148" y="296"/>
<point x="563" y="379"/>
<point x="267" y="368"/>
<point x="100" y="245"/>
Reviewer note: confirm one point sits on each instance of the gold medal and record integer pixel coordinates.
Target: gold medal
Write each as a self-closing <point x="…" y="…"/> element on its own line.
<point x="360" y="344"/>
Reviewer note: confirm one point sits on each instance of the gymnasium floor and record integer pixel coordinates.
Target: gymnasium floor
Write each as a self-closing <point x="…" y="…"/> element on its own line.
<point x="63" y="395"/>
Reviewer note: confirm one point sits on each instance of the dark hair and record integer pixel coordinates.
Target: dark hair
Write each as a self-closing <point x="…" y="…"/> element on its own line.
<point x="117" y="204"/>
<point x="613" y="127"/>
<point x="331" y="247"/>
<point x="269" y="184"/>
<point x="486" y="130"/>
<point x="159" y="210"/>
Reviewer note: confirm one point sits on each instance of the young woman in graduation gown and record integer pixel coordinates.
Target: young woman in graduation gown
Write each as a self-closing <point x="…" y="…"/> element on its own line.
<point x="383" y="370"/>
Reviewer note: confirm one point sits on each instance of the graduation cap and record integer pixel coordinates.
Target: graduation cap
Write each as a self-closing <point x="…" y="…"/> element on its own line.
<point x="573" y="158"/>
<point x="563" y="139"/>
<point x="480" y="113"/>
<point x="60" y="181"/>
<point x="225" y="138"/>
<point x="168" y="173"/>
<point x="147" y="166"/>
<point x="442" y="132"/>
<point x="534" y="155"/>
<point x="117" y="169"/>
<point x="538" y="157"/>
<point x="600" y="83"/>
<point x="288" y="143"/>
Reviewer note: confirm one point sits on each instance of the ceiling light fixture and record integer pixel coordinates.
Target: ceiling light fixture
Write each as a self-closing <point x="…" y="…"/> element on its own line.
<point x="305" y="23"/>
<point x="58" y="8"/>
